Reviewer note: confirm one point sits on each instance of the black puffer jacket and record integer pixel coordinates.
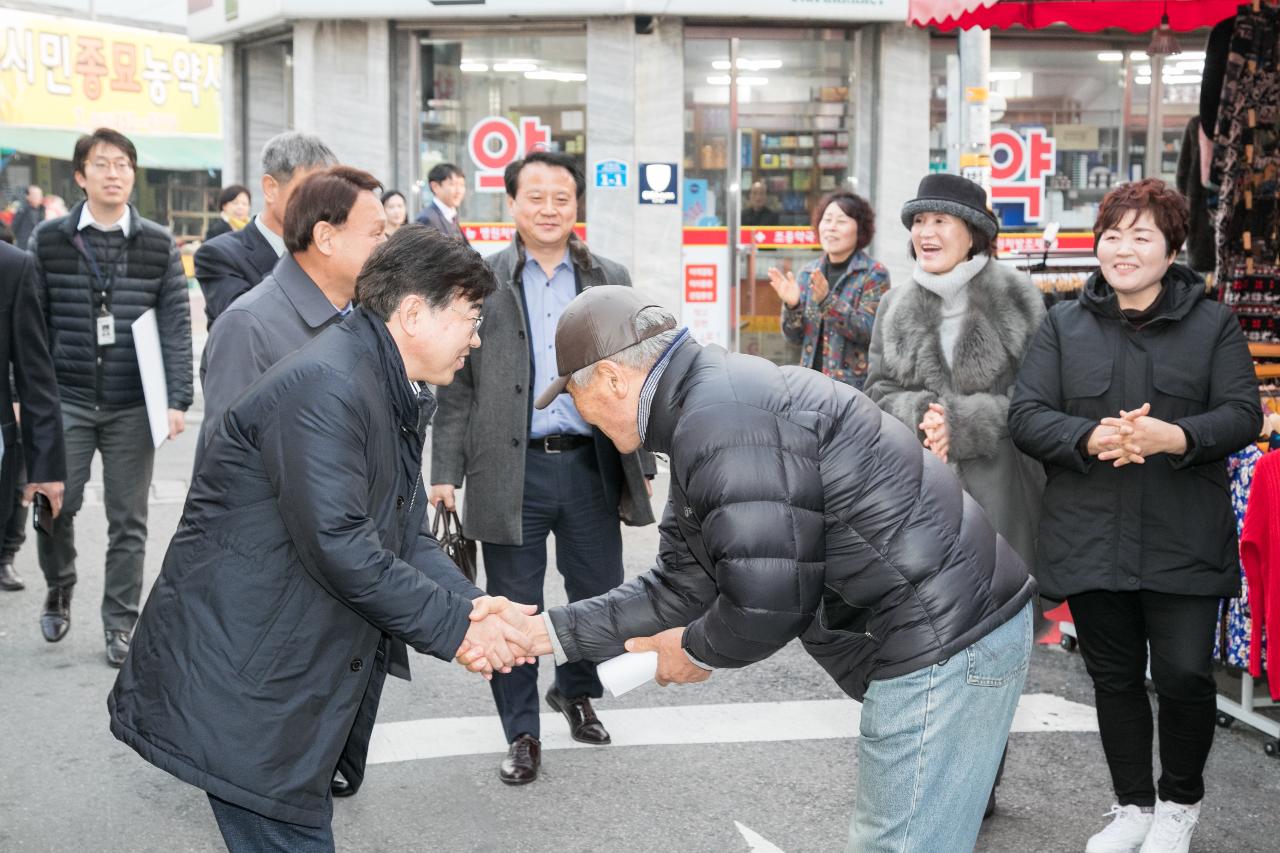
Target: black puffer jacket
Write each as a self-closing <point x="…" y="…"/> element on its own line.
<point x="147" y="275"/>
<point x="1165" y="525"/>
<point x="794" y="496"/>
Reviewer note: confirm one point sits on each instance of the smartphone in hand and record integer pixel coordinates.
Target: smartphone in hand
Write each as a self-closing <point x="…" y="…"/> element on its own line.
<point x="42" y="515"/>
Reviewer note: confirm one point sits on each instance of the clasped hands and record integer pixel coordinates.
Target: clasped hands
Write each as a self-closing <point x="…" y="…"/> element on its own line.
<point x="1135" y="435"/>
<point x="504" y="635"/>
<point x="937" y="433"/>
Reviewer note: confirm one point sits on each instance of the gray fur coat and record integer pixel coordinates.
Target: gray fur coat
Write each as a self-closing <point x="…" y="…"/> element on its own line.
<point x="907" y="372"/>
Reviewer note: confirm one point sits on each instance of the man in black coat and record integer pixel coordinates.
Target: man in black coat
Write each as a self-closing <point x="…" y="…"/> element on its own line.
<point x="37" y="440"/>
<point x="99" y="269"/>
<point x="302" y="565"/>
<point x="230" y="264"/>
<point x="798" y="509"/>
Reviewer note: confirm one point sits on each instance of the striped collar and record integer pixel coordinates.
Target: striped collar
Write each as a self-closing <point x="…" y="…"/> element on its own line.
<point x="650" y="386"/>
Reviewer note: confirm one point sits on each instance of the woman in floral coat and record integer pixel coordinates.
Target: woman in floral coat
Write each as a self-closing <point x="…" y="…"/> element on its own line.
<point x="831" y="306"/>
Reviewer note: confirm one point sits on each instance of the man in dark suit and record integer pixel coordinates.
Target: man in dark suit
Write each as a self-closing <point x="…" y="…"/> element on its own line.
<point x="532" y="473"/>
<point x="448" y="188"/>
<point x="230" y="264"/>
<point x="334" y="223"/>
<point x="24" y="348"/>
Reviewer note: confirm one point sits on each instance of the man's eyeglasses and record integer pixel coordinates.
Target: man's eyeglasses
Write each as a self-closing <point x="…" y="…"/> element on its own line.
<point x="476" y="320"/>
<point x="120" y="167"/>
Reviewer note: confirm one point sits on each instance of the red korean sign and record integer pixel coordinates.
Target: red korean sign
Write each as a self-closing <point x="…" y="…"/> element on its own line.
<point x="495" y="142"/>
<point x="1020" y="162"/>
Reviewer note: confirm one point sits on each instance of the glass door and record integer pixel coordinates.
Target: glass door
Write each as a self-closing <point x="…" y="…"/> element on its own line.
<point x="768" y="134"/>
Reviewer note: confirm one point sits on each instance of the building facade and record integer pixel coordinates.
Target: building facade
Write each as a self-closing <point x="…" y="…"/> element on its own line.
<point x="673" y="116"/>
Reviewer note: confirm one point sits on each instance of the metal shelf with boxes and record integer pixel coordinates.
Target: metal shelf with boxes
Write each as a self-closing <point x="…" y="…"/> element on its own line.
<point x="797" y="168"/>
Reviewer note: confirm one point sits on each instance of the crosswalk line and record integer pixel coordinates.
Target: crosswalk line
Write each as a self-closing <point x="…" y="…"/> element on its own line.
<point x="680" y="725"/>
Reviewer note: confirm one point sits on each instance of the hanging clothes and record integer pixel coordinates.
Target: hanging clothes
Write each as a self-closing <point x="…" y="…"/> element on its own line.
<point x="1246" y="162"/>
<point x="1260" y="554"/>
<point x="1235" y="623"/>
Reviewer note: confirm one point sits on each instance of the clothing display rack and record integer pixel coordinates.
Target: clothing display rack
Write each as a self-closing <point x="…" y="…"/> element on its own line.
<point x="1236" y="612"/>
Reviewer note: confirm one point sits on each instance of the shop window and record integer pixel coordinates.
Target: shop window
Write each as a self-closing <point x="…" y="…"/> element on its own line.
<point x="486" y="101"/>
<point x="1084" y="101"/>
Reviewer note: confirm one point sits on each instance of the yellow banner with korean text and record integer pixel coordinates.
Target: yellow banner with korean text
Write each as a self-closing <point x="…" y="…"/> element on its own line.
<point x="71" y="74"/>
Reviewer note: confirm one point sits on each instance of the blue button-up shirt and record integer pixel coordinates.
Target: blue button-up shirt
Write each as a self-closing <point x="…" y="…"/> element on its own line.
<point x="546" y="298"/>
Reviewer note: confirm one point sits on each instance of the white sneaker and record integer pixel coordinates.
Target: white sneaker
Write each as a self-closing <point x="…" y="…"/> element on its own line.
<point x="1125" y="834"/>
<point x="1172" y="828"/>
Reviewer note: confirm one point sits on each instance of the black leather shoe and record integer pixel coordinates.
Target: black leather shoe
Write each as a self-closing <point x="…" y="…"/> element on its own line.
<point x="340" y="787"/>
<point x="10" y="580"/>
<point x="584" y="725"/>
<point x="55" y="621"/>
<point x="524" y="757"/>
<point x="117" y="648"/>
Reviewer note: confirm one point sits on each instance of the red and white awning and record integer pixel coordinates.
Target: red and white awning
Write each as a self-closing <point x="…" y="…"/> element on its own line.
<point x="1136" y="16"/>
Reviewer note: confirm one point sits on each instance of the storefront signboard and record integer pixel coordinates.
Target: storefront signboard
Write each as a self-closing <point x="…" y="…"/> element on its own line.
<point x="658" y="183"/>
<point x="489" y="237"/>
<point x="67" y="74"/>
<point x="211" y="22"/>
<point x="775" y="237"/>
<point x="705" y="303"/>
<point x="1033" y="244"/>
<point x="495" y="142"/>
<point x="1020" y="162"/>
<point x="611" y="174"/>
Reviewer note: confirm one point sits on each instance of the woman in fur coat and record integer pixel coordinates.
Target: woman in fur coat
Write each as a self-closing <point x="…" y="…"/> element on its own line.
<point x="945" y="352"/>
<point x="946" y="348"/>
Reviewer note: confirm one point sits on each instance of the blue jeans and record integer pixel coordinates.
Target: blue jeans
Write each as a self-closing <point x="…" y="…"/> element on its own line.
<point x="244" y="831"/>
<point x="931" y="742"/>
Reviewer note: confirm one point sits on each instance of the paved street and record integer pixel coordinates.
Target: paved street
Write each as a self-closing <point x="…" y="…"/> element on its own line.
<point x="772" y="768"/>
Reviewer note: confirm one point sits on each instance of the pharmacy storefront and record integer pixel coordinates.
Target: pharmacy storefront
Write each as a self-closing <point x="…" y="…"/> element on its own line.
<point x="706" y="138"/>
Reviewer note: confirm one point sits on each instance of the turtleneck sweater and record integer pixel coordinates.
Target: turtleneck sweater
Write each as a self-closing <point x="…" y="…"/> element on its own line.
<point x="951" y="288"/>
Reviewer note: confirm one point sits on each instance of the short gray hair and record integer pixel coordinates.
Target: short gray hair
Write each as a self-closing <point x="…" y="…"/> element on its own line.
<point x="287" y="152"/>
<point x="645" y="354"/>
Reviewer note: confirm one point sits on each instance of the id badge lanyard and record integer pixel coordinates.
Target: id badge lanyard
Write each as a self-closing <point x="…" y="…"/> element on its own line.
<point x="104" y="322"/>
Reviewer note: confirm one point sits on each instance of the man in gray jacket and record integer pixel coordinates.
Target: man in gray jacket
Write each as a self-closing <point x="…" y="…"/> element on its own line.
<point x="531" y="473"/>
<point x="799" y="509"/>
<point x="333" y="223"/>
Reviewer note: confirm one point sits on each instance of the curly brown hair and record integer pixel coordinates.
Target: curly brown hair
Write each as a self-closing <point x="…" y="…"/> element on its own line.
<point x="1169" y="210"/>
<point x="856" y="208"/>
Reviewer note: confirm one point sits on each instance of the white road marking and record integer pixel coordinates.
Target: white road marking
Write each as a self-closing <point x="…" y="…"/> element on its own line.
<point x="744" y="722"/>
<point x="757" y="843"/>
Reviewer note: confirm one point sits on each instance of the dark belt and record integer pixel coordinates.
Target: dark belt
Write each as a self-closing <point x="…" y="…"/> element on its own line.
<point x="559" y="443"/>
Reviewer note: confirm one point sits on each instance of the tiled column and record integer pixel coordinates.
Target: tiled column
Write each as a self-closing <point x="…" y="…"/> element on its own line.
<point x="901" y="155"/>
<point x="635" y="113"/>
<point x="342" y="85"/>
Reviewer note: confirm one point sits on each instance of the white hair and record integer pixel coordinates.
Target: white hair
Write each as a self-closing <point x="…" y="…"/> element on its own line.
<point x="643" y="355"/>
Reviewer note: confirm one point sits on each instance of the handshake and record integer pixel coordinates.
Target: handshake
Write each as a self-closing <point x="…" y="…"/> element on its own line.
<point x="502" y="635"/>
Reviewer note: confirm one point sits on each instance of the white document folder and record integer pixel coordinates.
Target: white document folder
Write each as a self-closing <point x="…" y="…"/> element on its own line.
<point x="146" y="342"/>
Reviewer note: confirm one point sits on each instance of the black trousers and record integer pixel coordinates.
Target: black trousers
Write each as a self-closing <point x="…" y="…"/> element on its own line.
<point x="14" y="531"/>
<point x="564" y="495"/>
<point x="1114" y="630"/>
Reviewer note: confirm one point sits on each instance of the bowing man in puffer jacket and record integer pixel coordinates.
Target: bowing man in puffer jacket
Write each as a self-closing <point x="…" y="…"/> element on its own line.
<point x="798" y="509"/>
